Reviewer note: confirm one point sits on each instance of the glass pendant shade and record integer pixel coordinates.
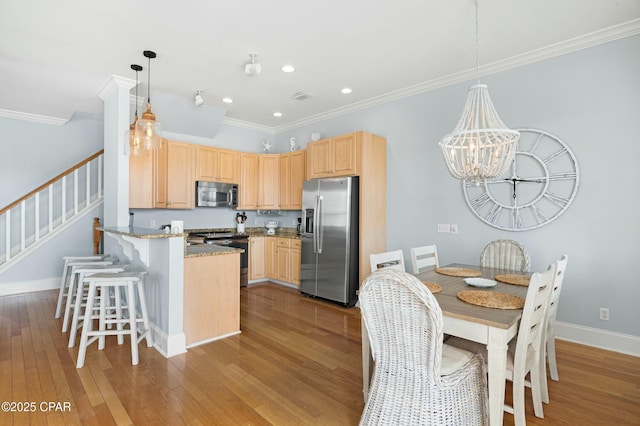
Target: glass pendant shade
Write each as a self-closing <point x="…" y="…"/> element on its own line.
<point x="480" y="146"/>
<point x="148" y="130"/>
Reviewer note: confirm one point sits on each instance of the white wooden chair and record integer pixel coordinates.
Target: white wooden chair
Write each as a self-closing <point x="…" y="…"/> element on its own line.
<point x="550" y="332"/>
<point x="424" y="257"/>
<point x="505" y="254"/>
<point x="416" y="379"/>
<point x="390" y="259"/>
<point x="524" y="354"/>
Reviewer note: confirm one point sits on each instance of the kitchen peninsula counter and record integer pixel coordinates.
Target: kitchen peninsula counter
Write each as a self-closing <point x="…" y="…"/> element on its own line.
<point x="209" y="250"/>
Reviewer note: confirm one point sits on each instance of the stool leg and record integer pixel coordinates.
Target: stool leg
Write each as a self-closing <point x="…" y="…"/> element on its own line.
<point x="70" y="299"/>
<point x="103" y="308"/>
<point x="133" y="324"/>
<point x="76" y="310"/>
<point x="145" y="317"/>
<point x="86" y="326"/>
<point x="119" y="317"/>
<point x="63" y="287"/>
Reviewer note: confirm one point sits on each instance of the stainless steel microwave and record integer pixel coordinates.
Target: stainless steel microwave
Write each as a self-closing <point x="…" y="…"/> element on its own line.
<point x="216" y="194"/>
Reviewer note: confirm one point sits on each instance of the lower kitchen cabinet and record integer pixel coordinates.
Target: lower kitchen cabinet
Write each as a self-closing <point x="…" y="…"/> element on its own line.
<point x="270" y="257"/>
<point x="211" y="297"/>
<point x="286" y="257"/>
<point x="257" y="258"/>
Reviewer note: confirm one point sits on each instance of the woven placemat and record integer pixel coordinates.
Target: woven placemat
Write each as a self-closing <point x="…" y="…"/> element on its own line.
<point x="513" y="279"/>
<point x="491" y="299"/>
<point x="433" y="287"/>
<point x="459" y="272"/>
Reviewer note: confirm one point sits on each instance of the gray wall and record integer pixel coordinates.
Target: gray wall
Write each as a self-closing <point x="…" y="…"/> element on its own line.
<point x="590" y="99"/>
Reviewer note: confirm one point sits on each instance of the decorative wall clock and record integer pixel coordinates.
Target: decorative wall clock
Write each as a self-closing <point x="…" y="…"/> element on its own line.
<point x="538" y="187"/>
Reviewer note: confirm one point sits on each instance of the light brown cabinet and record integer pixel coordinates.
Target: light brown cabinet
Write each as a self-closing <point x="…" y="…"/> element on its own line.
<point x="248" y="186"/>
<point x="211" y="300"/>
<point x="163" y="178"/>
<point x="257" y="258"/>
<point x="269" y="181"/>
<point x="332" y="157"/>
<point x="292" y="174"/>
<point x="270" y="257"/>
<point x="217" y="164"/>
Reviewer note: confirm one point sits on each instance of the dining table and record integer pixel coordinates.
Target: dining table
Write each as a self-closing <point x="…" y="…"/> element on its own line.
<point x="494" y="327"/>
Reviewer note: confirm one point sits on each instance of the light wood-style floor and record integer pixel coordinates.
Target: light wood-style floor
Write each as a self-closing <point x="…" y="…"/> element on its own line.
<point x="297" y="362"/>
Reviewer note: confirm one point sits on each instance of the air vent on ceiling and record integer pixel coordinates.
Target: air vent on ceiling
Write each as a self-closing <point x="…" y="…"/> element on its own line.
<point x="301" y="96"/>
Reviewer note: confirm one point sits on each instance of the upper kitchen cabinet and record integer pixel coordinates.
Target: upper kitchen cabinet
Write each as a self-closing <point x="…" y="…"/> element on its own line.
<point x="180" y="177"/>
<point x="163" y="178"/>
<point x="269" y="181"/>
<point x="248" y="185"/>
<point x="217" y="165"/>
<point x="333" y="157"/>
<point x="292" y="173"/>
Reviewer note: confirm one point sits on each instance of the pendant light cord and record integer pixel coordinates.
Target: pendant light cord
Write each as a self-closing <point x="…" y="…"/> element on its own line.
<point x="149" y="80"/>
<point x="136" y="113"/>
<point x="477" y="44"/>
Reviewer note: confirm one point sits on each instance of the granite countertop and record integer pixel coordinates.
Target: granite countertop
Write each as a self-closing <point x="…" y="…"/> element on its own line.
<point x="251" y="232"/>
<point x="145" y="233"/>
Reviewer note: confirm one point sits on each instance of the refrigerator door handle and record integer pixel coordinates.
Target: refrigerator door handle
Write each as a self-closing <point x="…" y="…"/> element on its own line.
<point x="320" y="226"/>
<point x="315" y="225"/>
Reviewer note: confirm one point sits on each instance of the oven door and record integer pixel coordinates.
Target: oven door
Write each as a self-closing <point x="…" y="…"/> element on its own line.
<point x="244" y="258"/>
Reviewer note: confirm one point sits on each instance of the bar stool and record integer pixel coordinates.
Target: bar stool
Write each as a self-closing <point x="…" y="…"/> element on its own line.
<point x="71" y="286"/>
<point x="65" y="274"/>
<point x="78" y="301"/>
<point x="102" y="283"/>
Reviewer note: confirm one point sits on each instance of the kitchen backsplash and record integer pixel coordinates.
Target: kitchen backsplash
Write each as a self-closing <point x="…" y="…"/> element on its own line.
<point x="205" y="218"/>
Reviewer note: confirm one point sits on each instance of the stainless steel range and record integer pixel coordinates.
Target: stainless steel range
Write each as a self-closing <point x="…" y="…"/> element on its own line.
<point x="226" y="239"/>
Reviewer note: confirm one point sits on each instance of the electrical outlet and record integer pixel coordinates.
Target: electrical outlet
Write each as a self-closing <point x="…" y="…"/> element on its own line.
<point x="444" y="228"/>
<point x="153" y="224"/>
<point x="604" y="314"/>
<point x="454" y="229"/>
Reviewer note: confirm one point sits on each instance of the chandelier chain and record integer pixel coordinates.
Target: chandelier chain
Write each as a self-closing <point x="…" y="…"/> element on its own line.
<point x="477" y="43"/>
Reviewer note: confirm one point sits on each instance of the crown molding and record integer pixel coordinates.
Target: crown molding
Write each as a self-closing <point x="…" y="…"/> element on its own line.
<point x="248" y="125"/>
<point x="17" y="115"/>
<point x="595" y="38"/>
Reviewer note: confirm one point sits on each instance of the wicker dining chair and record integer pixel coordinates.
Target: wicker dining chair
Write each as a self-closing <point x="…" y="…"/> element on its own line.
<point x="525" y="353"/>
<point x="505" y="254"/>
<point x="417" y="379"/>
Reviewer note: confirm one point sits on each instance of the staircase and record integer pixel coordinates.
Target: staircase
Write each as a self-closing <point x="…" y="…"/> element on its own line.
<point x="30" y="221"/>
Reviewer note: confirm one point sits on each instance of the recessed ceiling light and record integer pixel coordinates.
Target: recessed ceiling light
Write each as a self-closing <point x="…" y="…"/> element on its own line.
<point x="277" y="114"/>
<point x="227" y="100"/>
<point x="288" y="68"/>
<point x="346" y="91"/>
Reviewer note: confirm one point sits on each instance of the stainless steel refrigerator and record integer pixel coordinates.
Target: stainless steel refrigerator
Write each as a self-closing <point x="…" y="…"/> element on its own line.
<point x="329" y="236"/>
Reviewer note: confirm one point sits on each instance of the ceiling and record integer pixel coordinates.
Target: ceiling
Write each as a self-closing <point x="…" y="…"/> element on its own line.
<point x="54" y="56"/>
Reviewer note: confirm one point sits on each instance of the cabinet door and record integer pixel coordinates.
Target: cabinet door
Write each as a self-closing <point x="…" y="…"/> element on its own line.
<point x="283" y="264"/>
<point x="205" y="163"/>
<point x="296" y="178"/>
<point x="141" y="181"/>
<point x="180" y="181"/>
<point x="227" y="166"/>
<point x="248" y="187"/>
<point x="161" y="176"/>
<point x="319" y="159"/>
<point x="285" y="181"/>
<point x="295" y="263"/>
<point x="269" y="182"/>
<point x="344" y="155"/>
<point x="270" y="257"/>
<point x="256" y="258"/>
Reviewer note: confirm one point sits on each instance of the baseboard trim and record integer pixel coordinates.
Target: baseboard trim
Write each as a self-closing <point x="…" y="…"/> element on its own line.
<point x="609" y="340"/>
<point x="19" y="287"/>
<point x="167" y="345"/>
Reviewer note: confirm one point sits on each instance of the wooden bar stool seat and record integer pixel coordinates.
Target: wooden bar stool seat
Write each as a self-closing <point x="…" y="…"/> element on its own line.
<point x="100" y="285"/>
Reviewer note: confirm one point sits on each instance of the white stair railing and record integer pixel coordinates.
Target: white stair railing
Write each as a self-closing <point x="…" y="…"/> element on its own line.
<point x="29" y="221"/>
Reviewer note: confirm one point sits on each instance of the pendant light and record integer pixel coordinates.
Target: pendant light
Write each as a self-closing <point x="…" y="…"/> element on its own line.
<point x="480" y="146"/>
<point x="135" y="145"/>
<point x="147" y="128"/>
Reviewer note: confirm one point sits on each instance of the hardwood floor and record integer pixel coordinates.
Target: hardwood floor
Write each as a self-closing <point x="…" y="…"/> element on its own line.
<point x="296" y="362"/>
